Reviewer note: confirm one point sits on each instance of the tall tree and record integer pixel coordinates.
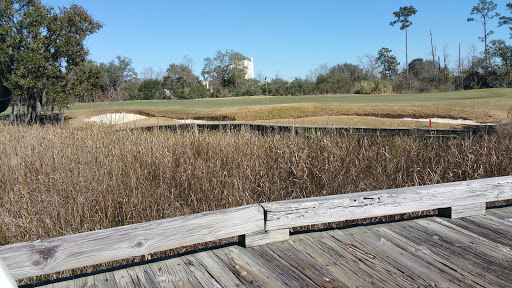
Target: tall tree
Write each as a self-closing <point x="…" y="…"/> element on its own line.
<point x="388" y="62"/>
<point x="41" y="49"/>
<point x="180" y="76"/>
<point x="402" y="16"/>
<point x="225" y="69"/>
<point x="484" y="9"/>
<point x="507" y="20"/>
<point x="183" y="83"/>
<point x="118" y="74"/>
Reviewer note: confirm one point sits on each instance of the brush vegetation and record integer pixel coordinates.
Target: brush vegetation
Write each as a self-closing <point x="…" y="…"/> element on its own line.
<point x="63" y="180"/>
<point x="58" y="180"/>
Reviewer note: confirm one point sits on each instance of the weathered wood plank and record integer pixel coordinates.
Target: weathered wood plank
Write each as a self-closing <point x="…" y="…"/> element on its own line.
<point x="289" y="274"/>
<point x="123" y="278"/>
<point x="265" y="237"/>
<point x="412" y="254"/>
<point x="504" y="213"/>
<point x="200" y="273"/>
<point x="105" y="280"/>
<point x="292" y="213"/>
<point x="173" y="273"/>
<point x="6" y="279"/>
<point x="209" y="263"/>
<point x="141" y="275"/>
<point x="385" y="262"/>
<point x="356" y="269"/>
<point x="299" y="261"/>
<point x="427" y="252"/>
<point x="488" y="227"/>
<point x="460" y="250"/>
<point x="463" y="210"/>
<point x="67" y="252"/>
<point x="249" y="270"/>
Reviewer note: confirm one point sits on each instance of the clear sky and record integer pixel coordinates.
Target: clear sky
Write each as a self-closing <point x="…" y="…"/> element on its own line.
<point x="288" y="38"/>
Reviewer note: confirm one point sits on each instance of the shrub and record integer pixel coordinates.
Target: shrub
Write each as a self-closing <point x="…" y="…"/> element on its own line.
<point x="377" y="86"/>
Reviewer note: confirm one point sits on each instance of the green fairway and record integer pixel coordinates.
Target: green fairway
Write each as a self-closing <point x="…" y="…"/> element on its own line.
<point x="465" y="97"/>
<point x="486" y="106"/>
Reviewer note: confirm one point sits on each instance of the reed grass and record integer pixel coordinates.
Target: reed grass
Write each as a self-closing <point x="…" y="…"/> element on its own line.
<point x="63" y="180"/>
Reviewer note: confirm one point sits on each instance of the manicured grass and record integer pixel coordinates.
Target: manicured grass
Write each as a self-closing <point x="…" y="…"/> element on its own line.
<point x="487" y="105"/>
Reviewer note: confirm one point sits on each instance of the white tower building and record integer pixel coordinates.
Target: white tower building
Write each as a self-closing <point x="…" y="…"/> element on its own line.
<point x="249" y="68"/>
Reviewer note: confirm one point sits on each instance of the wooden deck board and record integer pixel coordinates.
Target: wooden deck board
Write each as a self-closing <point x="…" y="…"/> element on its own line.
<point x="493" y="229"/>
<point x="346" y="266"/>
<point x="462" y="252"/>
<point x="393" y="264"/>
<point x="428" y="252"/>
<point x="211" y="264"/>
<point x="248" y="269"/>
<point x="419" y="261"/>
<point x="286" y="271"/>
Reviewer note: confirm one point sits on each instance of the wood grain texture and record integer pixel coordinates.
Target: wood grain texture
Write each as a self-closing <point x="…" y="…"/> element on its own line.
<point x="292" y="213"/>
<point x="463" y="210"/>
<point x="72" y="251"/>
<point x="426" y="252"/>
<point x="265" y="237"/>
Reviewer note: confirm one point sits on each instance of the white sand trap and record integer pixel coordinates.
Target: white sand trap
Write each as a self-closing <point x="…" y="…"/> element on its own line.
<point x="192" y="121"/>
<point x="116" y="118"/>
<point x="445" y="120"/>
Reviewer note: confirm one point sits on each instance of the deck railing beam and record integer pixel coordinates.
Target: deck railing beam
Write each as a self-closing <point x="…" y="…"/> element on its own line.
<point x="257" y="224"/>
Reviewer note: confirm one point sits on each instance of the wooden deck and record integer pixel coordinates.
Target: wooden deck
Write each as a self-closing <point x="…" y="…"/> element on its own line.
<point x="428" y="252"/>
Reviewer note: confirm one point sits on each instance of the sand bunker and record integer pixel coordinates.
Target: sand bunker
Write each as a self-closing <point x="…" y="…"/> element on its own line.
<point x="192" y="121"/>
<point x="119" y="118"/>
<point x="116" y="118"/>
<point x="445" y="120"/>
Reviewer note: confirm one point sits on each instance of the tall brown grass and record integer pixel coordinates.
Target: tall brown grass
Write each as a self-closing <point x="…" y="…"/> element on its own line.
<point x="62" y="180"/>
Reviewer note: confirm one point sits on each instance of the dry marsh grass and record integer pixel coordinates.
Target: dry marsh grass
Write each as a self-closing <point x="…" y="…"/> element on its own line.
<point x="63" y="180"/>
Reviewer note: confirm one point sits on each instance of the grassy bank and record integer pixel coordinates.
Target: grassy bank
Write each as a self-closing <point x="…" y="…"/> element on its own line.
<point x="487" y="105"/>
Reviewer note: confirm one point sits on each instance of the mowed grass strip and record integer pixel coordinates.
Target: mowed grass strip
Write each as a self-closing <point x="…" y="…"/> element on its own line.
<point x="486" y="106"/>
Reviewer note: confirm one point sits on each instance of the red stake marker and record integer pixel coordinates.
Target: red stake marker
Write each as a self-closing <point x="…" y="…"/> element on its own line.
<point x="430" y="122"/>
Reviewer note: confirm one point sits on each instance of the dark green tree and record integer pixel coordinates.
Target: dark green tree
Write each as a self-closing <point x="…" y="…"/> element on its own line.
<point x="88" y="82"/>
<point x="225" y="69"/>
<point x="216" y="69"/>
<point x="388" y="62"/>
<point x="42" y="47"/>
<point x="117" y="75"/>
<point x="150" y="89"/>
<point x="502" y="51"/>
<point x="499" y="50"/>
<point x="278" y="87"/>
<point x="180" y="76"/>
<point x="507" y="20"/>
<point x="339" y="79"/>
<point x="485" y="10"/>
<point x="403" y="16"/>
<point x="183" y="83"/>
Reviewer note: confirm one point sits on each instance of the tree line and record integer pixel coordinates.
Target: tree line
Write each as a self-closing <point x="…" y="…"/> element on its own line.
<point x="44" y="60"/>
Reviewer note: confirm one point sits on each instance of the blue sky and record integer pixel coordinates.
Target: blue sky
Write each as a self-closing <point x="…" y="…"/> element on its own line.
<point x="286" y="38"/>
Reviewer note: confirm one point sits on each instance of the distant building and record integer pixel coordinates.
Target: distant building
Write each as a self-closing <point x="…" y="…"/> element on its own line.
<point x="207" y="85"/>
<point x="247" y="63"/>
<point x="249" y="66"/>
